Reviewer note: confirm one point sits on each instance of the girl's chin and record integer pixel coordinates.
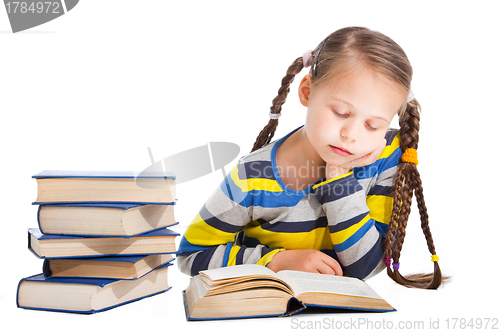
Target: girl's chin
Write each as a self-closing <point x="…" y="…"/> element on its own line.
<point x="335" y="159"/>
<point x="338" y="161"/>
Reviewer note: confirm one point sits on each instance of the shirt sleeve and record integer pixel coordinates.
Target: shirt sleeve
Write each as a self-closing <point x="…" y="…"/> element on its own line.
<point x="358" y="218"/>
<point x="210" y="241"/>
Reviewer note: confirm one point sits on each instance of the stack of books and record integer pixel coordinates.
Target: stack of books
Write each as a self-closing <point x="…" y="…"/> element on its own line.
<point x="104" y="239"/>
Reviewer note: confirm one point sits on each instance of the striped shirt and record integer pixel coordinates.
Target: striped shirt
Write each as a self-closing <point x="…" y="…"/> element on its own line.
<point x="252" y="215"/>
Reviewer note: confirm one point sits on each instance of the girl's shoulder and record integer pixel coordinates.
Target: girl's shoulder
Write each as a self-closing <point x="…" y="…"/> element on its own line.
<point x="261" y="154"/>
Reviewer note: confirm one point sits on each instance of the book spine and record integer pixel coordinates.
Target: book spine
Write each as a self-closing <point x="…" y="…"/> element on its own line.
<point x="294" y="306"/>
<point x="38" y="219"/>
<point x="47" y="272"/>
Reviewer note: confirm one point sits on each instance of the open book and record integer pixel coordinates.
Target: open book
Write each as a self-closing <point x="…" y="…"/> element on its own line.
<point x="246" y="291"/>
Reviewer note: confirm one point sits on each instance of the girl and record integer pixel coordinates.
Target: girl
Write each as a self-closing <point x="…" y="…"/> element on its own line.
<point x="334" y="195"/>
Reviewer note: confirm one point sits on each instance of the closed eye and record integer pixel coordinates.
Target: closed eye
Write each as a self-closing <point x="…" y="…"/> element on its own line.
<point x="341" y="115"/>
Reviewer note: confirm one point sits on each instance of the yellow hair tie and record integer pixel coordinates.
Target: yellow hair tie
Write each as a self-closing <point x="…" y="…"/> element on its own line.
<point x="410" y="156"/>
<point x="434" y="257"/>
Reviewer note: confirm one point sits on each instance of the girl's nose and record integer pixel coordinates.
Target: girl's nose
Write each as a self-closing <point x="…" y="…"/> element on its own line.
<point x="348" y="133"/>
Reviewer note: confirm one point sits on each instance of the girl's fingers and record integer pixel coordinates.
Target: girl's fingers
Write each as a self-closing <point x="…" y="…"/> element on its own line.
<point x="333" y="265"/>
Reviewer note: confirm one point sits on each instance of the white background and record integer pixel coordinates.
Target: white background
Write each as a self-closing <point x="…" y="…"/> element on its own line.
<point x="94" y="88"/>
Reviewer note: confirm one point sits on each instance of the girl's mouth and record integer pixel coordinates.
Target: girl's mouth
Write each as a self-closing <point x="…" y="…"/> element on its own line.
<point x="340" y="151"/>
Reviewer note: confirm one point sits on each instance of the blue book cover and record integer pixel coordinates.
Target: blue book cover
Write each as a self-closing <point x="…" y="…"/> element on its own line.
<point x="111" y="205"/>
<point x="57" y="186"/>
<point x="79" y="246"/>
<point x="115" y="205"/>
<point x="71" y="295"/>
<point x="101" y="174"/>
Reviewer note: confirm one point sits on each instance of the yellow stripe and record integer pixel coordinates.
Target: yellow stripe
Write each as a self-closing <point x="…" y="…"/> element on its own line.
<point x="254" y="183"/>
<point x="200" y="233"/>
<point x="331" y="180"/>
<point x="232" y="255"/>
<point x="380" y="207"/>
<point x="388" y="150"/>
<point x="317" y="239"/>
<point x="268" y="257"/>
<point x="264" y="185"/>
<point x="341" y="236"/>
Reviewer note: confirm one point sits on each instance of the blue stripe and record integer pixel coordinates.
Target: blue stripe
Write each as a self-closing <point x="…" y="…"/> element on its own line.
<point x="240" y="254"/>
<point x="186" y="247"/>
<point x="268" y="199"/>
<point x="229" y="246"/>
<point x="368" y="171"/>
<point x="202" y="260"/>
<point x="259" y="198"/>
<point x="265" y="250"/>
<point x="380" y="190"/>
<point x="214" y="222"/>
<point x="291" y="227"/>
<point x="338" y="189"/>
<point x="354" y="238"/>
<point x="348" y="223"/>
<point x="249" y="241"/>
<point x="382" y="227"/>
<point x="392" y="160"/>
<point x="256" y="169"/>
<point x="366" y="264"/>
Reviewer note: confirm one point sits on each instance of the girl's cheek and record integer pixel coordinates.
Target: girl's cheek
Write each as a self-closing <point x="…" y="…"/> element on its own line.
<point x="368" y="147"/>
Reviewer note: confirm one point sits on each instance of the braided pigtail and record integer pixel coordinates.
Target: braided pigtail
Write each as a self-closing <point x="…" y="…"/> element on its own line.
<point x="267" y="133"/>
<point x="408" y="182"/>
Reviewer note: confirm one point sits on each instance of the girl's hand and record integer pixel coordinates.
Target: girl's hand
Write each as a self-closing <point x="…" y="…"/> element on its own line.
<point x="333" y="171"/>
<point x="313" y="261"/>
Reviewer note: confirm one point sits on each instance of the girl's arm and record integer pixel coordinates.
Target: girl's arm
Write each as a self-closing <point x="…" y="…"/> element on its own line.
<point x="210" y="240"/>
<point x="358" y="220"/>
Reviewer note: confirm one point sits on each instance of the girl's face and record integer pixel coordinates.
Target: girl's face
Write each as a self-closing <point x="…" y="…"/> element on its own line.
<point x="348" y="117"/>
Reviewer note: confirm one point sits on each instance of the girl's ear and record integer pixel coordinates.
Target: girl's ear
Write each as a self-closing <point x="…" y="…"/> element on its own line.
<point x="305" y="90"/>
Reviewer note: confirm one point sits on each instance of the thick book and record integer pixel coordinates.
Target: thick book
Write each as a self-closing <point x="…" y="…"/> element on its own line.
<point x="87" y="295"/>
<point x="104" y="186"/>
<point x="103" y="219"/>
<point x="114" y="267"/>
<point x="160" y="241"/>
<point x="248" y="291"/>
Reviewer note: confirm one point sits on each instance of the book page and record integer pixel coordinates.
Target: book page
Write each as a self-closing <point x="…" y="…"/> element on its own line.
<point x="236" y="271"/>
<point x="303" y="282"/>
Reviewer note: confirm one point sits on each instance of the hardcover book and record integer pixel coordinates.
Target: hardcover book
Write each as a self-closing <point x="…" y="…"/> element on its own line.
<point x="246" y="291"/>
<point x="87" y="295"/>
<point x="113" y="267"/>
<point x="103" y="219"/>
<point x="62" y="246"/>
<point x="104" y="186"/>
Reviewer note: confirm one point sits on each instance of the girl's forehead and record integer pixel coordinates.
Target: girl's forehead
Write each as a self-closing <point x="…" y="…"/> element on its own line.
<point x="363" y="82"/>
<point x="365" y="90"/>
